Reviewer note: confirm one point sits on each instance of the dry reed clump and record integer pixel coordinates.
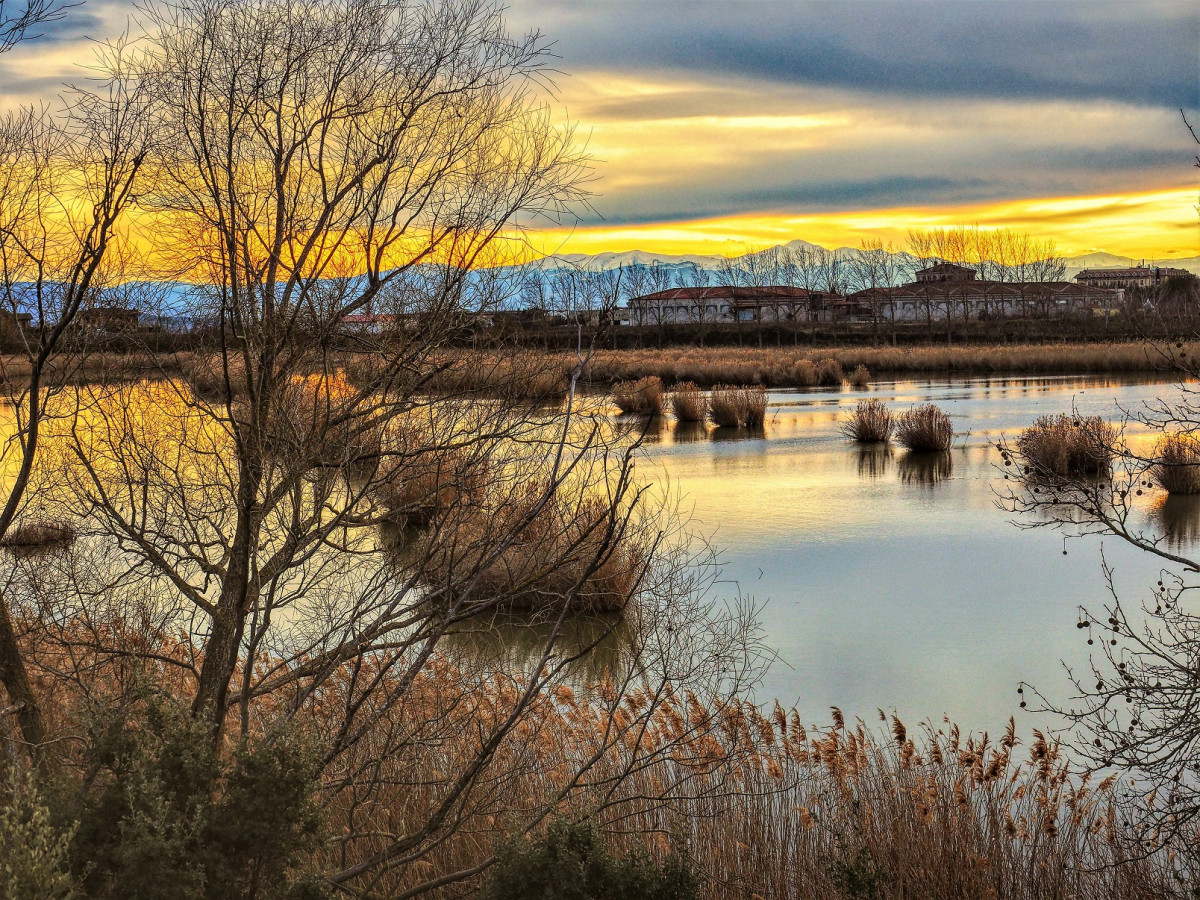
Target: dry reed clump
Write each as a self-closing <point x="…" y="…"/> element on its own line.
<point x="641" y="397"/>
<point x="416" y="485"/>
<point x="1065" y="446"/>
<point x="870" y="423"/>
<point x="775" y="808"/>
<point x="861" y="376"/>
<point x="536" y="551"/>
<point x="925" y="428"/>
<point x="689" y="403"/>
<point x="1177" y="465"/>
<point x="528" y="377"/>
<point x="40" y="534"/>
<point x="737" y="407"/>
<point x="829" y="373"/>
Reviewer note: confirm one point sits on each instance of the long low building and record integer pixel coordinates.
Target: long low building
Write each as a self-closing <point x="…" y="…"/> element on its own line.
<point x="970" y="299"/>
<point x="1130" y="276"/>
<point x="713" y="305"/>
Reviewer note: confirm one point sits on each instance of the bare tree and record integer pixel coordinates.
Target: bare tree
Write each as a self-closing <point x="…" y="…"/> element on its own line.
<point x="67" y="177"/>
<point x="18" y="21"/>
<point x="344" y="488"/>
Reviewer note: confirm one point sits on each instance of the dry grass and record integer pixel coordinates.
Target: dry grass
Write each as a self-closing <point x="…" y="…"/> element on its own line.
<point x="689" y="403"/>
<point x="766" y="805"/>
<point x="39" y="534"/>
<point x="206" y="375"/>
<point x="641" y="397"/>
<point x="417" y="485"/>
<point x="861" y="376"/>
<point x="738" y="407"/>
<point x="1177" y="466"/>
<point x="799" y="367"/>
<point x="534" y="554"/>
<point x="870" y="423"/>
<point x="925" y="428"/>
<point x="1067" y="446"/>
<point x="829" y="373"/>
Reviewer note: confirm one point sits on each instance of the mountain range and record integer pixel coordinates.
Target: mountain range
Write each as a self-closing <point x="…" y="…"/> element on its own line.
<point x="612" y="260"/>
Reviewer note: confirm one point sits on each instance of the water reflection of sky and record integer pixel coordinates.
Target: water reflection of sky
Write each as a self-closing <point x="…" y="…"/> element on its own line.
<point x="891" y="581"/>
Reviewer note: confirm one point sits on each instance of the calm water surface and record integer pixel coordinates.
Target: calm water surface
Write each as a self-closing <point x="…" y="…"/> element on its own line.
<point x="894" y="581"/>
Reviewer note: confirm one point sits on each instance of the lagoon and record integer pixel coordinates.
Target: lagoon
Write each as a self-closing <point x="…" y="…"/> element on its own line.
<point x="896" y="582"/>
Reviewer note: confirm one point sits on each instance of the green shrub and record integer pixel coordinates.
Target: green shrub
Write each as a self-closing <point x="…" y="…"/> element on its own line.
<point x="166" y="817"/>
<point x="33" y="852"/>
<point x="571" y="862"/>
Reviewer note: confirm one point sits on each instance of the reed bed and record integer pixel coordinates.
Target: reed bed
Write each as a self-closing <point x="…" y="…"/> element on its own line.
<point x="738" y="407"/>
<point x="925" y="428"/>
<point x="417" y="485"/>
<point x="861" y="376"/>
<point x="765" y="804"/>
<point x="1177" y="466"/>
<point x="39" y="534"/>
<point x="870" y="423"/>
<point x="768" y="808"/>
<point x="642" y="397"/>
<point x="800" y="367"/>
<point x="689" y="403"/>
<point x="1067" y="446"/>
<point x="535" y="555"/>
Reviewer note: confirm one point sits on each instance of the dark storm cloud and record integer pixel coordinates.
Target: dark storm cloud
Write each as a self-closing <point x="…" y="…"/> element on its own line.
<point x="1140" y="53"/>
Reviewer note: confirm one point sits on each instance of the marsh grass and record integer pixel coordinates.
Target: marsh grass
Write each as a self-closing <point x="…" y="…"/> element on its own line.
<point x="689" y="403"/>
<point x="870" y="423"/>
<point x="738" y="407"/>
<point x="40" y="534"/>
<point x="799" y="367"/>
<point x="531" y="553"/>
<point x="861" y="376"/>
<point x="641" y="397"/>
<point x="415" y="487"/>
<point x="829" y="373"/>
<point x="1177" y="464"/>
<point x="925" y="428"/>
<point x="1067" y="446"/>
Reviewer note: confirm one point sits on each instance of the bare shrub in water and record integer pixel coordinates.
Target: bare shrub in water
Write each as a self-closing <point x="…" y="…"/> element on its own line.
<point x="1177" y="465"/>
<point x="861" y="376"/>
<point x="870" y="423"/>
<point x="925" y="427"/>
<point x="1067" y="446"/>
<point x="689" y="403"/>
<point x="641" y="397"/>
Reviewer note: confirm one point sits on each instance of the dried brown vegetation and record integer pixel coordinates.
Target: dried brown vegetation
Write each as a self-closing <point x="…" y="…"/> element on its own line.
<point x="1177" y="463"/>
<point x="870" y="423"/>
<point x="39" y="533"/>
<point x="797" y="367"/>
<point x="925" y="428"/>
<point x="1067" y="446"/>
<point x="738" y="407"/>
<point x="689" y="403"/>
<point x="539" y="551"/>
<point x="642" y="397"/>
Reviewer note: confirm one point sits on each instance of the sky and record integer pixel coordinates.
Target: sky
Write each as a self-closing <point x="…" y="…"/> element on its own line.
<point x="723" y="127"/>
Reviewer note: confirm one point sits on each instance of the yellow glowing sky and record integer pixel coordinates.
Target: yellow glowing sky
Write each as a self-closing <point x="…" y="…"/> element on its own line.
<point x="1152" y="225"/>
